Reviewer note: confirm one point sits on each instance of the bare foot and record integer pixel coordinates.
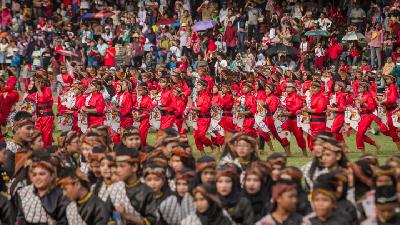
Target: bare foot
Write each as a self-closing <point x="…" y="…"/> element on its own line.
<point x="305" y="153"/>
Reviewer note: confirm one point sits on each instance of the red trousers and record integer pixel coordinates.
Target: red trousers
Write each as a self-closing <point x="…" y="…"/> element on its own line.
<point x="248" y="127"/>
<point x="218" y="140"/>
<point x="315" y="128"/>
<point x="319" y="62"/>
<point x="95" y="121"/>
<point x="382" y="127"/>
<point x="291" y="125"/>
<point x="144" y="130"/>
<point x="392" y="129"/>
<point x="227" y="123"/>
<point x="363" y="125"/>
<point x="167" y="121"/>
<point x="45" y="125"/>
<point x="269" y="120"/>
<point x="266" y="136"/>
<point x="179" y="125"/>
<point x="337" y="124"/>
<point x="125" y="122"/>
<point x="199" y="135"/>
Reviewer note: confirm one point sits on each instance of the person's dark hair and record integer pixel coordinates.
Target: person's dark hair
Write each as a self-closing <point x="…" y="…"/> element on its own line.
<point x="3" y="146"/>
<point x="20" y="115"/>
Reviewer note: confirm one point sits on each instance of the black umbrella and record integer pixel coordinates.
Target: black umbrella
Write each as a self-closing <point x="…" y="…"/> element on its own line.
<point x="282" y="49"/>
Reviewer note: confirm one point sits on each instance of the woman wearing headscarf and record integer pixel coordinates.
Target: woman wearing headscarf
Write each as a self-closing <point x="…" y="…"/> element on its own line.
<point x="245" y="150"/>
<point x="340" y="180"/>
<point x="208" y="208"/>
<point x="382" y="176"/>
<point x="285" y="199"/>
<point x="257" y="188"/>
<point x="229" y="192"/>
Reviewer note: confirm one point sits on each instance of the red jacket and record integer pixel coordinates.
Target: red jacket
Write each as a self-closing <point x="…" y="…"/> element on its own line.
<point x="167" y="100"/>
<point x="44" y="102"/>
<point x="391" y="96"/>
<point x="216" y="99"/>
<point x="250" y="103"/>
<point x="226" y="103"/>
<point x="261" y="95"/>
<point x="204" y="103"/>
<point x="334" y="51"/>
<point x="126" y="103"/>
<point x="340" y="101"/>
<point x="210" y="83"/>
<point x="272" y="102"/>
<point x="294" y="103"/>
<point x="180" y="107"/>
<point x="367" y="103"/>
<point x="144" y="106"/>
<point x="7" y="100"/>
<point x="318" y="104"/>
<point x="354" y="86"/>
<point x="97" y="102"/>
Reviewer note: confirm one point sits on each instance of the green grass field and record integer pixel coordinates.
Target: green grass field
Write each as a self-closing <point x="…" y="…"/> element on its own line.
<point x="388" y="148"/>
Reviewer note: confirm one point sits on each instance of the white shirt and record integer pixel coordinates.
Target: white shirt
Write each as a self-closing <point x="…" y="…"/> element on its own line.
<point x="37" y="61"/>
<point x="319" y="52"/>
<point x="107" y="37"/>
<point x="357" y="13"/>
<point x="223" y="14"/>
<point x="303" y="47"/>
<point x="183" y="36"/>
<point x="325" y="23"/>
<point x="142" y="15"/>
<point x="3" y="47"/>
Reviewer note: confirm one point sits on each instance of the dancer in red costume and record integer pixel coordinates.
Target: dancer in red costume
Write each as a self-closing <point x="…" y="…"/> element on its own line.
<point x="226" y="107"/>
<point x="94" y="104"/>
<point x="263" y="136"/>
<point x="294" y="104"/>
<point x="250" y="105"/>
<point x="124" y="105"/>
<point x="8" y="98"/>
<point x="337" y="107"/>
<point x="167" y="104"/>
<point x="390" y="103"/>
<point x="367" y="107"/>
<point x="216" y="100"/>
<point x="271" y="103"/>
<point x="317" y="112"/>
<point x="42" y="96"/>
<point x="144" y="106"/>
<point x="180" y="102"/>
<point x="202" y="106"/>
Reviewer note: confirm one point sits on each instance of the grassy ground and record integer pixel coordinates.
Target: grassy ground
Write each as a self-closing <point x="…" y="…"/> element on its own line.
<point x="388" y="149"/>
